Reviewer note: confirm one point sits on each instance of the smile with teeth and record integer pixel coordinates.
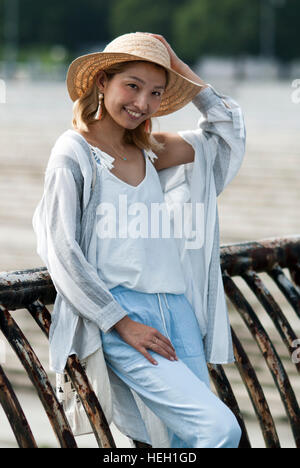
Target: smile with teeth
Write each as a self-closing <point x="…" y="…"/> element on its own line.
<point x="136" y="115"/>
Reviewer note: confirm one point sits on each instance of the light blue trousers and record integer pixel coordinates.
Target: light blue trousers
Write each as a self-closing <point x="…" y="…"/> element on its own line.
<point x="178" y="392"/>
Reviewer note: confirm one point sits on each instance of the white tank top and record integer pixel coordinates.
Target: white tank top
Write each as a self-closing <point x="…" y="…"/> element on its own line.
<point x="129" y="253"/>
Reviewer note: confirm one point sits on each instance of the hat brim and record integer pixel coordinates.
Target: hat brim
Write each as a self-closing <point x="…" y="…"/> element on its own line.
<point x="81" y="73"/>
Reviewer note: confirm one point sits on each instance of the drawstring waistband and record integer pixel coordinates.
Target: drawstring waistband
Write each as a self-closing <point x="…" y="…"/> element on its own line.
<point x="120" y="288"/>
<point x="161" y="311"/>
<point x="166" y="300"/>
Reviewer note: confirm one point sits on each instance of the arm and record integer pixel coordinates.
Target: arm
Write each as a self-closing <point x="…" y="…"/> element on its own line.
<point x="220" y="136"/>
<point x="223" y="130"/>
<point x="73" y="276"/>
<point x="176" y="151"/>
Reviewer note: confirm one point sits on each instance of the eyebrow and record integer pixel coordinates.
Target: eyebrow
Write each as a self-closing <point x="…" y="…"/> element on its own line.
<point x="143" y="82"/>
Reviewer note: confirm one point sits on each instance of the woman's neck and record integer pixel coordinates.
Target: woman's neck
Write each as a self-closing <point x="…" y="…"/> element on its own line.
<point x="105" y="133"/>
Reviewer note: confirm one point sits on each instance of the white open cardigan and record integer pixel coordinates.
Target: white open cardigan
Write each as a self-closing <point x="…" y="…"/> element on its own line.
<point x="64" y="225"/>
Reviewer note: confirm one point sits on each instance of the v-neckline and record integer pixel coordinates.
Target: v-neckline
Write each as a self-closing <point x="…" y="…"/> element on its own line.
<point x="113" y="175"/>
<point x="118" y="178"/>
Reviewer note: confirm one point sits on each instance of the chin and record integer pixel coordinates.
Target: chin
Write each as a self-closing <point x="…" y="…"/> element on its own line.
<point x="127" y="125"/>
<point x="131" y="127"/>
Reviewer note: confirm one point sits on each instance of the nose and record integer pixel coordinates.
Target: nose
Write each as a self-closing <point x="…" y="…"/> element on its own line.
<point x="141" y="103"/>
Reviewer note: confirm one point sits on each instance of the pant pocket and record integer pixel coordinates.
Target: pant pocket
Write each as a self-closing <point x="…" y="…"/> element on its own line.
<point x="118" y="353"/>
<point x="142" y="308"/>
<point x="139" y="306"/>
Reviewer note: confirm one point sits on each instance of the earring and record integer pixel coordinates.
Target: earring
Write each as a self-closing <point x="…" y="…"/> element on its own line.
<point x="147" y="126"/>
<point x="99" y="113"/>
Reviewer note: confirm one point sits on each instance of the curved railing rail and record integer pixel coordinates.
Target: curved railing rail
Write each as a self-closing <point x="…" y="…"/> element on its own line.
<point x="33" y="290"/>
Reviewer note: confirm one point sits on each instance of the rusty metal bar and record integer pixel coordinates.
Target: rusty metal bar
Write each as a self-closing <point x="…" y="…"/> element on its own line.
<point x="273" y="310"/>
<point x="80" y="381"/>
<point x="269" y="353"/>
<point x="286" y="287"/>
<point x="295" y="275"/>
<point x="19" y="288"/>
<point x="34" y="289"/>
<point x="15" y="414"/>
<point x="261" y="255"/>
<point x="90" y="403"/>
<point x="39" y="379"/>
<point x="226" y="394"/>
<point x="255" y="393"/>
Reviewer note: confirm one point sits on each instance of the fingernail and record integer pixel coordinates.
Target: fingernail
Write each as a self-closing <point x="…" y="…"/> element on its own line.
<point x="172" y="359"/>
<point x="154" y="362"/>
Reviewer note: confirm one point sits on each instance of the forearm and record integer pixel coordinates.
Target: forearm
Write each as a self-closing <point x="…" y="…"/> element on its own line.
<point x="122" y="323"/>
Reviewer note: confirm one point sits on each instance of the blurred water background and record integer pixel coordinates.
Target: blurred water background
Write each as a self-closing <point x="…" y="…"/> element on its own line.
<point x="261" y="202"/>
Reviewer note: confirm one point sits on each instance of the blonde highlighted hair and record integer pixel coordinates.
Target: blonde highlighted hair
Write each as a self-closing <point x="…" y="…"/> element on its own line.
<point x="85" y="109"/>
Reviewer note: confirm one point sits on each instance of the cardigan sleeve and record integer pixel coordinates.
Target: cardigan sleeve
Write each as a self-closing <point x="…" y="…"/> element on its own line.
<point x="222" y="129"/>
<point x="73" y="276"/>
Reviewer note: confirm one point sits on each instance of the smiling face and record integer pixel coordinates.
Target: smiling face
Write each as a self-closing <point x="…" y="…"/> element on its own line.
<point x="134" y="95"/>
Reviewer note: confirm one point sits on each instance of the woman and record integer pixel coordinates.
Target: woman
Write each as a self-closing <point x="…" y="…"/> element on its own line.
<point x="153" y="304"/>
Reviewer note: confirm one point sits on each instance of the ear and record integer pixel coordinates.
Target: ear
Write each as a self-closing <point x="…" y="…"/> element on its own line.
<point x="101" y="80"/>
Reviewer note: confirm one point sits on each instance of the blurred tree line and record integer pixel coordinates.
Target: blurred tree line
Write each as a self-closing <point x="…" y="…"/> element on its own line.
<point x="193" y="27"/>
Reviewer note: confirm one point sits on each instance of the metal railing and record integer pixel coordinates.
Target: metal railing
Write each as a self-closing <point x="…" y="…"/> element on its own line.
<point x="33" y="290"/>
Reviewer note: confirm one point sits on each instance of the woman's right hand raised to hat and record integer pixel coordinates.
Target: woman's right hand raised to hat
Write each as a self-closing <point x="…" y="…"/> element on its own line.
<point x="142" y="337"/>
<point x="178" y="65"/>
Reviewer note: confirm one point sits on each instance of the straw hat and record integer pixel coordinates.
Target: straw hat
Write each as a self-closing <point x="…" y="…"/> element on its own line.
<point x="129" y="47"/>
